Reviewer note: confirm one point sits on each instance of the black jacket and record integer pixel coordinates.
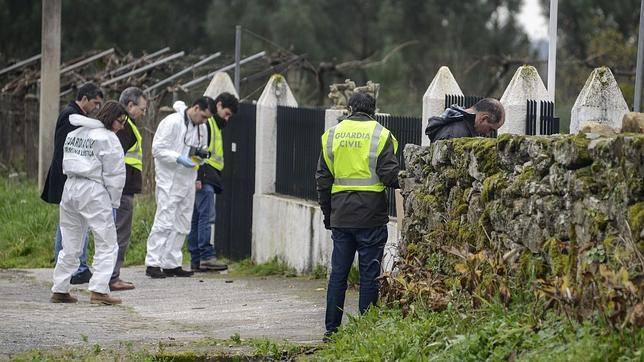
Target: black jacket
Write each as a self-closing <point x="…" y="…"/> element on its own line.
<point x="208" y="174"/>
<point x="133" y="177"/>
<point x="453" y="123"/>
<point x="53" y="189"/>
<point x="357" y="209"/>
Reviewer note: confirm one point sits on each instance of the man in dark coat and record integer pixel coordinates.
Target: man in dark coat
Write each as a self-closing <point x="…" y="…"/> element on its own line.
<point x="358" y="161"/>
<point x="485" y="116"/>
<point x="88" y="100"/>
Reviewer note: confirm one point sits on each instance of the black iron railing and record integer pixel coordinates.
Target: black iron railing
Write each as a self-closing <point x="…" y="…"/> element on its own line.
<point x="463" y="101"/>
<point x="298" y="149"/>
<point x="540" y="118"/>
<point x="406" y="130"/>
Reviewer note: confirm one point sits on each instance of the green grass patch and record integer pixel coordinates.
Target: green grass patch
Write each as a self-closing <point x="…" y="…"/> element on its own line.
<point x="206" y="349"/>
<point x="275" y="266"/>
<point x="144" y="209"/>
<point x="29" y="227"/>
<point x="493" y="333"/>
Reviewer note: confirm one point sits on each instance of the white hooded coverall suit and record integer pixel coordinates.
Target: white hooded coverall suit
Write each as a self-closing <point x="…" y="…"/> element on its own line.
<point x="175" y="187"/>
<point x="93" y="163"/>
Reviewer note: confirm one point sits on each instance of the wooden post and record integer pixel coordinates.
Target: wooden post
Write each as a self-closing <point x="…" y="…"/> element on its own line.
<point x="49" y="84"/>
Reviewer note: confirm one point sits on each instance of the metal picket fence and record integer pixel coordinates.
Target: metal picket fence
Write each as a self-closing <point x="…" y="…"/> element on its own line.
<point x="298" y="149"/>
<point x="406" y="130"/>
<point x="540" y="118"/>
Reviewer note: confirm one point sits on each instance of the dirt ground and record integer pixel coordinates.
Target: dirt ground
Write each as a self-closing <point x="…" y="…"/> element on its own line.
<point x="208" y="305"/>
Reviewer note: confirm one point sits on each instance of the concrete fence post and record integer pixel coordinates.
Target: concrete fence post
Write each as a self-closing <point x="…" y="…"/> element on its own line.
<point x="220" y="83"/>
<point x="276" y="93"/>
<point x="434" y="98"/>
<point x="525" y="84"/>
<point x="331" y="117"/>
<point x="600" y="101"/>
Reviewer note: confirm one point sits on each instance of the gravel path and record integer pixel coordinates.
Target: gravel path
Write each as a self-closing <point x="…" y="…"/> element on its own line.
<point x="206" y="305"/>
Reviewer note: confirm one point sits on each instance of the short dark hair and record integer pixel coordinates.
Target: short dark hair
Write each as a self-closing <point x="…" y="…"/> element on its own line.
<point x="227" y="101"/>
<point x="131" y="94"/>
<point x="362" y="102"/>
<point x="89" y="90"/>
<point x="492" y="107"/>
<point x="206" y="102"/>
<point x="110" y="112"/>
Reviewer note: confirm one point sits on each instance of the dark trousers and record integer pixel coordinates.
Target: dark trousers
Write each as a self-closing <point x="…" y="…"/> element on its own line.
<point x="370" y="245"/>
<point x="203" y="216"/>
<point x="124" y="215"/>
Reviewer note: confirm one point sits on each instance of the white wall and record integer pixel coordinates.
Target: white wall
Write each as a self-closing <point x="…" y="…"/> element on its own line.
<point x="293" y="230"/>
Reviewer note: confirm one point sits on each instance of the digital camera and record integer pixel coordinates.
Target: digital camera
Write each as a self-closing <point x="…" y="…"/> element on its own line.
<point x="201" y="152"/>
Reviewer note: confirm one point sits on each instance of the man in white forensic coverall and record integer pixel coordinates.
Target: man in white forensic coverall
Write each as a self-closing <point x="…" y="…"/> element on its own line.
<point x="175" y="148"/>
<point x="93" y="163"/>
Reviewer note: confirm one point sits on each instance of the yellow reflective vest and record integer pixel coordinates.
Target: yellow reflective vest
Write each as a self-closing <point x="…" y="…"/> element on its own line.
<point x="134" y="156"/>
<point x="216" y="146"/>
<point x="351" y="151"/>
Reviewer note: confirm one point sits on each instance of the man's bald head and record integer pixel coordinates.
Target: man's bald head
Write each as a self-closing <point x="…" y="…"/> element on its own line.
<point x="490" y="115"/>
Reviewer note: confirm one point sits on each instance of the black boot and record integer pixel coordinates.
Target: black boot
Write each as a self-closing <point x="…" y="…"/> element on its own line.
<point x="154" y="272"/>
<point x="177" y="272"/>
<point x="81" y="278"/>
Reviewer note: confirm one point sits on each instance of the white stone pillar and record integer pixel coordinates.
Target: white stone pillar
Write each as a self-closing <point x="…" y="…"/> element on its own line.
<point x="331" y="117"/>
<point x="600" y="101"/>
<point x="276" y="93"/>
<point x="266" y="242"/>
<point x="220" y="83"/>
<point x="526" y="84"/>
<point x="434" y="98"/>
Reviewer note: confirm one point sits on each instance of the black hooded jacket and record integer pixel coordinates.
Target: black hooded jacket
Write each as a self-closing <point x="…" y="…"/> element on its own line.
<point x="455" y="122"/>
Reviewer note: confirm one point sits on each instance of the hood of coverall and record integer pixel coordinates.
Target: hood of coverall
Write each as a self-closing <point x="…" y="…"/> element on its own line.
<point x="83" y="121"/>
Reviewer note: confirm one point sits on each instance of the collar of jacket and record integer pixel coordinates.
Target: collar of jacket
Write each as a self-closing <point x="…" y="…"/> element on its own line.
<point x="76" y="107"/>
<point x="358" y="116"/>
<point x="130" y="117"/>
<point x="220" y="122"/>
<point x="456" y="111"/>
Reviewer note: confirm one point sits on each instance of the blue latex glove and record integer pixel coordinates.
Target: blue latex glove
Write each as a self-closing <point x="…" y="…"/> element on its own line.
<point x="185" y="161"/>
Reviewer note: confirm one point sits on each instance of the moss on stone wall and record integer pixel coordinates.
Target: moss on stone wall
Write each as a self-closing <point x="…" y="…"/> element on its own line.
<point x="551" y="209"/>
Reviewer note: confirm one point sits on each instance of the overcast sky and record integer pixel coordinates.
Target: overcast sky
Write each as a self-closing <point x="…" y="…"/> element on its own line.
<point x="533" y="21"/>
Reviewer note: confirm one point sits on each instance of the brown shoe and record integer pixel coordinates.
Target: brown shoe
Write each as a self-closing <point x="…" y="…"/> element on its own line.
<point x="119" y="284"/>
<point x="62" y="298"/>
<point x="212" y="264"/>
<point x="105" y="299"/>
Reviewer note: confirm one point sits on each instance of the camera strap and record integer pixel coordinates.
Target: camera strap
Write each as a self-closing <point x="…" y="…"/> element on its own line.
<point x="186" y="120"/>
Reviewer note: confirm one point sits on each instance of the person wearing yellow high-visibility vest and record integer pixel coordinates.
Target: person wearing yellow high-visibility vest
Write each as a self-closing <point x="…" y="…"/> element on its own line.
<point x="209" y="184"/>
<point x="135" y="103"/>
<point x="356" y="164"/>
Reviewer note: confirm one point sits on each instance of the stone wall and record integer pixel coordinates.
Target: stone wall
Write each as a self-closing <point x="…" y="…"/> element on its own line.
<point x="539" y="209"/>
